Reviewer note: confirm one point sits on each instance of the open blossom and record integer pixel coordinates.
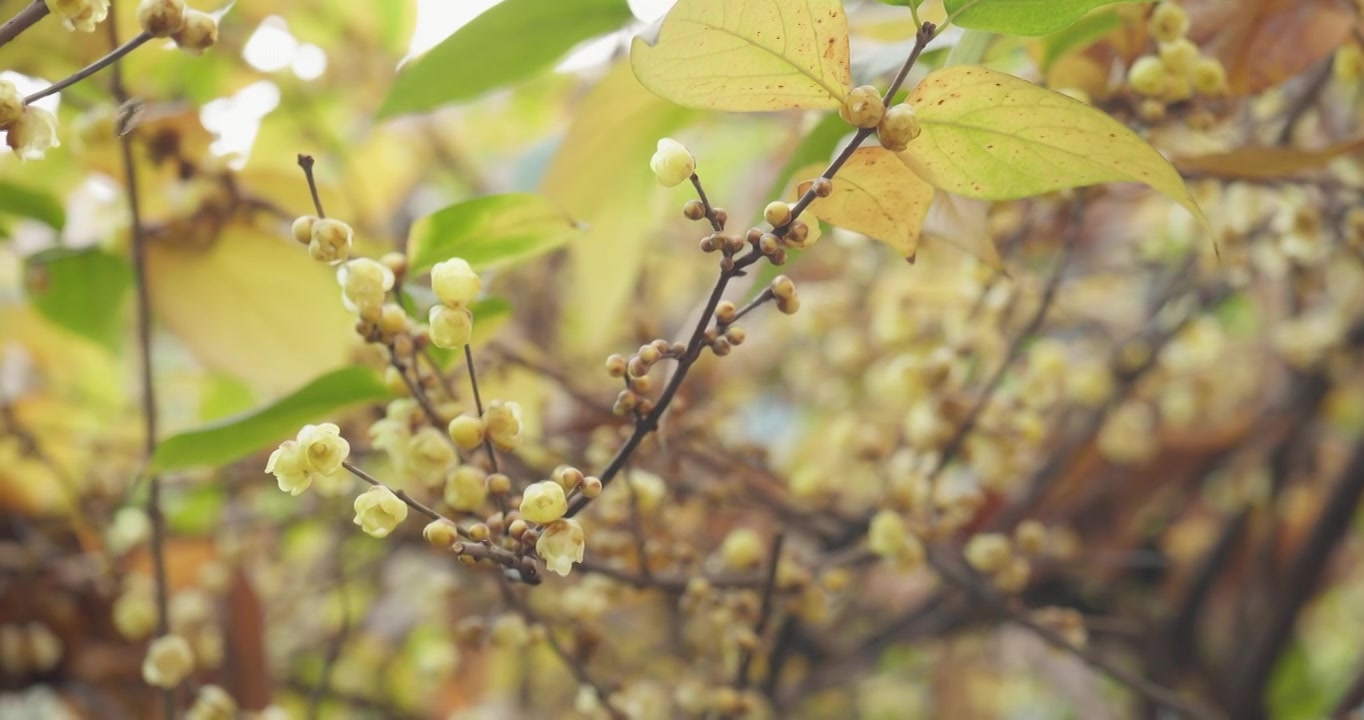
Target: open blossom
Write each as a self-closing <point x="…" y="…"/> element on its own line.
<point x="33" y="133"/>
<point x="503" y="422"/>
<point x="316" y="454"/>
<point x="81" y="15"/>
<point x="11" y="103"/>
<point x="466" y="488"/>
<point x="378" y="511"/>
<point x="544" y="502"/>
<point x="561" y="545"/>
<point x="429" y="455"/>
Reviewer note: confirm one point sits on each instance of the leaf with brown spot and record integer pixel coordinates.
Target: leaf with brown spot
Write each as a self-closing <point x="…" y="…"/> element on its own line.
<point x="1264" y="42"/>
<point x="876" y="195"/>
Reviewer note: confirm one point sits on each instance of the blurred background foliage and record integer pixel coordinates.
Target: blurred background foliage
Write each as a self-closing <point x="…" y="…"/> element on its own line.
<point x="1192" y="492"/>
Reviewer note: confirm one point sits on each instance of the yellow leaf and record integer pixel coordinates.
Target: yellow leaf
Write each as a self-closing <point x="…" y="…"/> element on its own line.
<point x="990" y="135"/>
<point x="601" y="177"/>
<point x="748" y="55"/>
<point x="253" y="306"/>
<point x="876" y="195"/>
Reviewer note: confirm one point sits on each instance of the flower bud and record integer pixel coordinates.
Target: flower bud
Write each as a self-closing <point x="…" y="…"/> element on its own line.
<point x="169" y="659"/>
<point x="823" y="187"/>
<point x="783" y="287"/>
<point x="198" y="34"/>
<point x="1178" y="55"/>
<point x="364" y="282"/>
<point x="503" y="420"/>
<point x="429" y="455"/>
<point x="898" y="128"/>
<point x="887" y="537"/>
<point x="672" y="163"/>
<point x="82" y="15"/>
<point x="742" y="549"/>
<point x="134" y="614"/>
<point x="544" y="502"/>
<point x="161" y="18"/>
<point x="694" y="210"/>
<point x="1147" y="76"/>
<point x="378" y="511"/>
<point x="451" y="327"/>
<point x="11" y="104"/>
<point x="441" y="533"/>
<point x="466" y="488"/>
<point x="331" y="240"/>
<point x="455" y="282"/>
<point x="988" y="553"/>
<point x="863" y="107"/>
<point x="560" y="545"/>
<point x="33" y="133"/>
<point x="467" y="431"/>
<point x="1169" y="22"/>
<point x="302" y="228"/>
<point x="1208" y="76"/>
<point x="777" y="214"/>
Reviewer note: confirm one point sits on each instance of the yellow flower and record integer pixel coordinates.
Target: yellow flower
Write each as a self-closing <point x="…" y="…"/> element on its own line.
<point x="451" y="327"/>
<point x="455" y="283"/>
<point x="429" y="455"/>
<point x="503" y="422"/>
<point x="544" y="502"/>
<point x="290" y="468"/>
<point x="33" y="133"/>
<point x="324" y="447"/>
<point x="672" y="164"/>
<point x="363" y="285"/>
<point x="466" y="488"/>
<point x="561" y="545"/>
<point x="169" y="659"/>
<point x="81" y="15"/>
<point x="378" y="511"/>
<point x="11" y="103"/>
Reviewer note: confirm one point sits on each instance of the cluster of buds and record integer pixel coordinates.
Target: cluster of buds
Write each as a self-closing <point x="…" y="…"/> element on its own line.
<point x="169" y="660"/>
<point x="895" y="126"/>
<point x="193" y="31"/>
<point x="993" y="555"/>
<point x="1178" y="70"/>
<point x="30" y="130"/>
<point x="635" y="369"/>
<point x="456" y="286"/>
<point x="27" y="648"/>
<point x="328" y="240"/>
<point x="79" y="15"/>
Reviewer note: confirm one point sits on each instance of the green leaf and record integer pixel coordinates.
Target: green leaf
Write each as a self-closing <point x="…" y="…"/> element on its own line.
<point x="81" y="290"/>
<point x="27" y="202"/>
<point x="748" y="56"/>
<point x="993" y="136"/>
<point x="235" y="437"/>
<point x="512" y="41"/>
<point x="488" y="231"/>
<point x="1021" y="17"/>
<point x="195" y="510"/>
<point x="1079" y="35"/>
<point x="904" y="3"/>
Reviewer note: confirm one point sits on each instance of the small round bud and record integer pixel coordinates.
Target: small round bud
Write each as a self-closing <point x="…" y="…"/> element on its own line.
<point x="736" y="335"/>
<point x="1179" y="55"/>
<point x="392" y="320"/>
<point x="499" y="484"/>
<point x="168" y="661"/>
<point x="672" y="163"/>
<point x="788" y="306"/>
<point x="567" y="476"/>
<point x="467" y="431"/>
<point x="591" y="486"/>
<point x="479" y="532"/>
<point x="798" y="235"/>
<point x="1169" y="22"/>
<point x="466" y="488"/>
<point x="396" y="263"/>
<point x="198" y="34"/>
<point x="754" y="236"/>
<point x="777" y="213"/>
<point x="988" y="553"/>
<point x="626" y="402"/>
<point x="862" y="107"/>
<point x="823" y="187"/>
<point x="694" y="210"/>
<point x="648" y="354"/>
<point x="517" y="528"/>
<point x="11" y="103"/>
<point x="645" y="406"/>
<point x="742" y="549"/>
<point x="441" y="533"/>
<point x="641" y="384"/>
<point x="721" y="217"/>
<point x="708" y="244"/>
<point x="1031" y="537"/>
<point x="1147" y="76"/>
<point x="451" y="327"/>
<point x="161" y="18"/>
<point x="898" y="128"/>
<point x="783" y="287"/>
<point x="726" y="311"/>
<point x="769" y="244"/>
<point x="1151" y="110"/>
<point x="778" y="258"/>
<point x="615" y="366"/>
<point x="720" y="347"/>
<point x="1208" y="76"/>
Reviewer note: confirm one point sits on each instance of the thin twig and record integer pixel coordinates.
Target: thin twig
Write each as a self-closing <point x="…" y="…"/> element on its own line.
<point x="765" y="609"/>
<point x="306" y="162"/>
<point x="147" y="368"/>
<point x="94" y="67"/>
<point x="962" y="578"/>
<point x="730" y="269"/>
<point x="22" y="21"/>
<point x="478" y="405"/>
